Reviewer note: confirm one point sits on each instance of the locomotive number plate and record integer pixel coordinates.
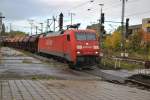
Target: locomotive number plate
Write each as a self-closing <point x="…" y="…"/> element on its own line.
<point x="87" y="46"/>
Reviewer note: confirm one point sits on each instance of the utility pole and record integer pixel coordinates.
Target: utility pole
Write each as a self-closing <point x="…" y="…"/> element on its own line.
<point x="10" y="26"/>
<point x="31" y="23"/>
<point x="122" y="28"/>
<point x="36" y="29"/>
<point x="71" y="15"/>
<point x="1" y="22"/>
<point x="48" y="26"/>
<point x="54" y="20"/>
<point x="41" y="27"/>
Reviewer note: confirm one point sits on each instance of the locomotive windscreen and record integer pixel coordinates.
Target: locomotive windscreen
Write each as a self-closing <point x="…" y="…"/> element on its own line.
<point x="85" y="36"/>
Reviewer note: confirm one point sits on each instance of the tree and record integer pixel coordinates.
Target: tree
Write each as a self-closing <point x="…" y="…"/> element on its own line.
<point x="135" y="41"/>
<point x="15" y="33"/>
<point x="116" y="41"/>
<point x="108" y="42"/>
<point x="112" y="42"/>
<point x="118" y="29"/>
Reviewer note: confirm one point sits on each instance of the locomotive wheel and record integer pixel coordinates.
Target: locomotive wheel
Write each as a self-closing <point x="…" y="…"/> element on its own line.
<point x="71" y="65"/>
<point x="75" y="66"/>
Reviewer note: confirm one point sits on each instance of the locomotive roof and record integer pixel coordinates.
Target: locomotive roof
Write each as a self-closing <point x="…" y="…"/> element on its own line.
<point x="86" y="30"/>
<point x="74" y="30"/>
<point x="62" y="32"/>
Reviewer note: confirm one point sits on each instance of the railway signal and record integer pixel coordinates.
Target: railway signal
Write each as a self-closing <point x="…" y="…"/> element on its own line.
<point x="103" y="30"/>
<point x="102" y="18"/>
<point x="101" y="22"/>
<point x="61" y="21"/>
<point x="127" y="27"/>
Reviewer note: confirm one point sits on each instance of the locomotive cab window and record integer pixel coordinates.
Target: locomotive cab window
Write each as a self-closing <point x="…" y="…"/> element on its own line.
<point x="85" y="36"/>
<point x="80" y="36"/>
<point x="91" y="36"/>
<point x="68" y="37"/>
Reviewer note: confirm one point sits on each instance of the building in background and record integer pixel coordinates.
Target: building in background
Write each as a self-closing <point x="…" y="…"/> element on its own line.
<point x="135" y="28"/>
<point x="144" y="28"/>
<point x="97" y="28"/>
<point x="94" y="27"/>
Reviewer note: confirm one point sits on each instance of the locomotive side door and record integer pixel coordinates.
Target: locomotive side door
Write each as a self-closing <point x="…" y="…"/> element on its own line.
<point x="66" y="46"/>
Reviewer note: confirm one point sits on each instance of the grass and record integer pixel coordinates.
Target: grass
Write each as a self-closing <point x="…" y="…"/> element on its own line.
<point x="131" y="54"/>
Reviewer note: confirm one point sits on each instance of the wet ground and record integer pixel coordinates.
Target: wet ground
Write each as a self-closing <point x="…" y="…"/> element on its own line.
<point x="68" y="90"/>
<point x="26" y="78"/>
<point x="16" y="65"/>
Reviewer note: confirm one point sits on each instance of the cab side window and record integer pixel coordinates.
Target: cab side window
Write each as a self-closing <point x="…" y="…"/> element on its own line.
<point x="68" y="37"/>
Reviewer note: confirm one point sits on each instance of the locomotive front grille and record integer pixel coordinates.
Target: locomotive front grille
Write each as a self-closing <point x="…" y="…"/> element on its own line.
<point x="87" y="59"/>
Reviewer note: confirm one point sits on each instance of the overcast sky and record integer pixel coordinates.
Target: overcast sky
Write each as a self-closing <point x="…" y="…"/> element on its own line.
<point x="18" y="12"/>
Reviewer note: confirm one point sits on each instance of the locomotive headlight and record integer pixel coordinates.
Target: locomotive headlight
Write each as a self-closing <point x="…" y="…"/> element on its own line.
<point x="79" y="46"/>
<point x="96" y="52"/>
<point x="95" y="47"/>
<point x="78" y="52"/>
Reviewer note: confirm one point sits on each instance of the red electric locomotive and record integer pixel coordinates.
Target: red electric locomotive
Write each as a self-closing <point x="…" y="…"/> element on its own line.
<point x="76" y="46"/>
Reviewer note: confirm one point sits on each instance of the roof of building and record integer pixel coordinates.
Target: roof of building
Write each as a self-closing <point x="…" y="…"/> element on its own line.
<point x="135" y="26"/>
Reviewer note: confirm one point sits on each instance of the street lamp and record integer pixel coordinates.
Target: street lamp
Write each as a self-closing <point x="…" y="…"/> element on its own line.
<point x="101" y="5"/>
<point x="92" y="1"/>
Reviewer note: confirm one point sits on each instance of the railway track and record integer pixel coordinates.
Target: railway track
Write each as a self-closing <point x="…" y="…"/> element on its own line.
<point x="138" y="84"/>
<point x="140" y="80"/>
<point x="129" y="82"/>
<point x="96" y="72"/>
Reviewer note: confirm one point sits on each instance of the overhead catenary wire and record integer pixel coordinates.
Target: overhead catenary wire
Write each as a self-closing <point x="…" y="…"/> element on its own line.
<point x="113" y="4"/>
<point x="139" y="13"/>
<point x="82" y="4"/>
